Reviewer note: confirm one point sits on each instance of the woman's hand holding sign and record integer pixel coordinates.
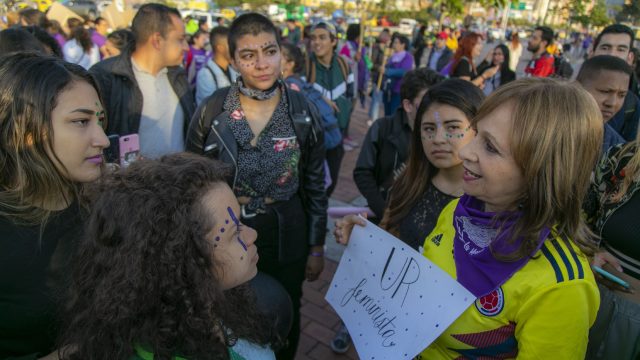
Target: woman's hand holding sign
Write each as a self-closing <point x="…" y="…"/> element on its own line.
<point x="344" y="226"/>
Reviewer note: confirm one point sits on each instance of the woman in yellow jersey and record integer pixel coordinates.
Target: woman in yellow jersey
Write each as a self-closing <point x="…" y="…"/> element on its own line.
<point x="516" y="239"/>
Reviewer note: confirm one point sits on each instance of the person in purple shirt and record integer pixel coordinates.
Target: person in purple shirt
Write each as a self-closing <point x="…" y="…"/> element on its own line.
<point x="99" y="35"/>
<point x="55" y="30"/>
<point x="398" y="64"/>
<point x="197" y="55"/>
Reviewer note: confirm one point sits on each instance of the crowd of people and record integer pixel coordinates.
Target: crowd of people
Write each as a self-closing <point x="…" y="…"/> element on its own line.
<point x="165" y="187"/>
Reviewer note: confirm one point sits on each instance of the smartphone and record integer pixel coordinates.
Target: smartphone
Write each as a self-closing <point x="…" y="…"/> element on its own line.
<point x="129" y="149"/>
<point x="609" y="276"/>
<point x="112" y="153"/>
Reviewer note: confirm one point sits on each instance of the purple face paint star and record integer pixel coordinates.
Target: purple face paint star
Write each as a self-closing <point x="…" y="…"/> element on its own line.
<point x="234" y="218"/>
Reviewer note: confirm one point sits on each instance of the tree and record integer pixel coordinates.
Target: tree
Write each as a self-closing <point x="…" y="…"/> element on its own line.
<point x="599" y="16"/>
<point x="577" y="10"/>
<point x="630" y="11"/>
<point x="228" y="3"/>
<point x="328" y="7"/>
<point x="500" y="4"/>
<point x="451" y="7"/>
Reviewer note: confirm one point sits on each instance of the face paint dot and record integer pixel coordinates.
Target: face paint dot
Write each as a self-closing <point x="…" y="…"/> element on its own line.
<point x="222" y="230"/>
<point x="241" y="257"/>
<point x="226" y="221"/>
<point x="217" y="238"/>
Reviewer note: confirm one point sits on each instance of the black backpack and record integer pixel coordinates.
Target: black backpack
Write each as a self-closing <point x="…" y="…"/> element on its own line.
<point x="562" y="67"/>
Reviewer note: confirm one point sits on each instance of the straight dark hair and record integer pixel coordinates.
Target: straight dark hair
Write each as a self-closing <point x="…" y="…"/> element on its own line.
<point x="29" y="90"/>
<point x="18" y="39"/>
<point x="507" y="56"/>
<point x="417" y="176"/>
<point x="615" y="29"/>
<point x="293" y="53"/>
<point x="250" y="24"/>
<point x="593" y="66"/>
<point x="152" y="18"/>
<point x="46" y="40"/>
<point x="83" y="37"/>
<point x="121" y="39"/>
<point x="547" y="34"/>
<point x="416" y="80"/>
<point x="218" y="32"/>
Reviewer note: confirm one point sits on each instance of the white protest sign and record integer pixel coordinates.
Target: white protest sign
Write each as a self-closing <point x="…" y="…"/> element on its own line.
<point x="393" y="300"/>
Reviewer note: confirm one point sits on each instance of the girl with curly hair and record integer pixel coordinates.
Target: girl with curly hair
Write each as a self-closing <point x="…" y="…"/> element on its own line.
<point x="163" y="269"/>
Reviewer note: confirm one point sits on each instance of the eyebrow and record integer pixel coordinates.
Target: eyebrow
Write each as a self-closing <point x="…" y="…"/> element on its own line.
<point x="625" y="45"/>
<point x="444" y="122"/>
<point x="85" y="111"/>
<point x="252" y="50"/>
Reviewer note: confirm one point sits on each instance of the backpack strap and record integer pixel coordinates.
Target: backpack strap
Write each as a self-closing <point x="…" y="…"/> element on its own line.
<point x="212" y="108"/>
<point x="311" y="70"/>
<point x="344" y="67"/>
<point x="213" y="76"/>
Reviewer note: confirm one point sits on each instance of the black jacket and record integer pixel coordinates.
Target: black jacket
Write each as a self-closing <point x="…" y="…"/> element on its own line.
<point x="444" y="59"/>
<point x="218" y="142"/>
<point x="123" y="99"/>
<point x="506" y="75"/>
<point x="384" y="150"/>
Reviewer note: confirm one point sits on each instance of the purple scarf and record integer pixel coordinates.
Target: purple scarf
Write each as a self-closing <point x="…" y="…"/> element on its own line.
<point x="477" y="269"/>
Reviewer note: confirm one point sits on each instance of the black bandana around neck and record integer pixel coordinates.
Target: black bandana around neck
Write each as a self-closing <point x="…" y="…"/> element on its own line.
<point x="258" y="94"/>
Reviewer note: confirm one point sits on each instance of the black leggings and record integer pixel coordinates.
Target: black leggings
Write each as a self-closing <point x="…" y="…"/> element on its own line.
<point x="289" y="272"/>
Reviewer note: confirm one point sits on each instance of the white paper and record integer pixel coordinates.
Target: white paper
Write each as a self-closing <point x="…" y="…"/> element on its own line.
<point x="394" y="301"/>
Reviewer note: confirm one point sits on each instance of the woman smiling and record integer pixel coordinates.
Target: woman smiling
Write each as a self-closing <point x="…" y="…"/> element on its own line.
<point x="518" y="241"/>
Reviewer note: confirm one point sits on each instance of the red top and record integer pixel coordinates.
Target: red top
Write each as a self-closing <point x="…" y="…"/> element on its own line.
<point x="540" y="67"/>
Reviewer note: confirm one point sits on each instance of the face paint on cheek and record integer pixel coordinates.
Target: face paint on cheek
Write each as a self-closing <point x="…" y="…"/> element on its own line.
<point x="99" y="113"/>
<point x="457" y="136"/>
<point x="235" y="220"/>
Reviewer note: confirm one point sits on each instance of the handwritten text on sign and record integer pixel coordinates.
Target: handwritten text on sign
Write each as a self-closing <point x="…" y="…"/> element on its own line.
<point x="394" y="301"/>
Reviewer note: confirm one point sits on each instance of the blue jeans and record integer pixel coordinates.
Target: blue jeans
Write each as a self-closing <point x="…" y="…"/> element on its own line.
<point x="391" y="103"/>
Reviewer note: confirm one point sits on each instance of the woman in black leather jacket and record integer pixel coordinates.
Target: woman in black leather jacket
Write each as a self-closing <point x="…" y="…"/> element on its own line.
<point x="274" y="142"/>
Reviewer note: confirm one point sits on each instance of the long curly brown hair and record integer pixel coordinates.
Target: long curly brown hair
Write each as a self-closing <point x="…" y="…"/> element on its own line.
<point x="145" y="272"/>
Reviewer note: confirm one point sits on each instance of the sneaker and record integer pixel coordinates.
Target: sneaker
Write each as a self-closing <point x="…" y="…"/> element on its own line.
<point x="348" y="141"/>
<point x="342" y="341"/>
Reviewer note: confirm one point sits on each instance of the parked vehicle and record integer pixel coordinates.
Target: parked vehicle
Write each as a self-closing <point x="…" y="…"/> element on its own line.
<point x="406" y="26"/>
<point x="209" y="17"/>
<point x="82" y="7"/>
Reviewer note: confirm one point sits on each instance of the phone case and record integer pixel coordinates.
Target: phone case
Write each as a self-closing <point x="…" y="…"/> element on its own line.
<point x="129" y="149"/>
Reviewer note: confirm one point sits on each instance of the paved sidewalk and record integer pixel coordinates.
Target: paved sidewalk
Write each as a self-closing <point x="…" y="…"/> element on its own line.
<point x="319" y="321"/>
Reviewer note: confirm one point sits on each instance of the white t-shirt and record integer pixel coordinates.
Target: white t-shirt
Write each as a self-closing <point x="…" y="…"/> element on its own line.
<point x="161" y="129"/>
<point x="74" y="53"/>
